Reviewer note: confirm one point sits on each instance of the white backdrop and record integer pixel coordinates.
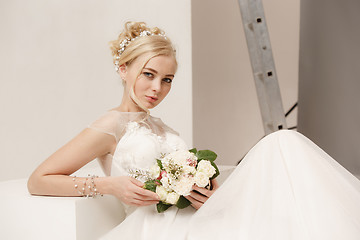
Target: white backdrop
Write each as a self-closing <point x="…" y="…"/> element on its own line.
<point x="57" y="73"/>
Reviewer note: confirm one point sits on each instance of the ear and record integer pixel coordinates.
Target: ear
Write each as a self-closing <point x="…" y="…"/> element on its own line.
<point x="122" y="71"/>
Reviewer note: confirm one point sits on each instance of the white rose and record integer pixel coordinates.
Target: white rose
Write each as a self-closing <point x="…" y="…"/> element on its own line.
<point x="165" y="163"/>
<point x="172" y="198"/>
<point x="165" y="182"/>
<point x="154" y="171"/>
<point x="205" y="166"/>
<point x="162" y="193"/>
<point x="180" y="157"/>
<point x="184" y="186"/>
<point x="192" y="156"/>
<point x="189" y="170"/>
<point x="201" y="179"/>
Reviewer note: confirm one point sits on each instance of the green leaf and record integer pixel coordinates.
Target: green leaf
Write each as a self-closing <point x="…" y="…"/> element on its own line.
<point x="150" y="185"/>
<point x="206" y="155"/>
<point x="193" y="150"/>
<point x="162" y="207"/>
<point x="160" y="164"/>
<point x="217" y="170"/>
<point x="183" y="202"/>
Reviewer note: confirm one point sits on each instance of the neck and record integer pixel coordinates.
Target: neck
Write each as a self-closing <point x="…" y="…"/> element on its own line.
<point x="128" y="105"/>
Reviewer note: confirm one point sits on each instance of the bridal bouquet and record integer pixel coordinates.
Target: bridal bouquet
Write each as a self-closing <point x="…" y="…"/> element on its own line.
<point x="174" y="174"/>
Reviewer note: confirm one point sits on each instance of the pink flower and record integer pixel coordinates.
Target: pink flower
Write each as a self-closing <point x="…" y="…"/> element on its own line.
<point x="163" y="174"/>
<point x="191" y="162"/>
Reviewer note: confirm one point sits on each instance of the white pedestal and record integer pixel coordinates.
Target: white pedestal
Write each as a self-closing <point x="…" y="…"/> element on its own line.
<point x="24" y="216"/>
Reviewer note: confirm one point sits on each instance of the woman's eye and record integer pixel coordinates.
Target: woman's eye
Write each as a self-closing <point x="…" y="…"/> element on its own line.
<point x="167" y="80"/>
<point x="147" y="74"/>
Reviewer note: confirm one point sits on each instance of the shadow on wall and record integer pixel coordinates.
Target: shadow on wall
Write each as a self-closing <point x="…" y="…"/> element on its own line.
<point x="329" y="83"/>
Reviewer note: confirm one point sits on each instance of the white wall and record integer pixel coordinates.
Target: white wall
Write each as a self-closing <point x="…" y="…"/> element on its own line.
<point x="57" y="74"/>
<point x="226" y="112"/>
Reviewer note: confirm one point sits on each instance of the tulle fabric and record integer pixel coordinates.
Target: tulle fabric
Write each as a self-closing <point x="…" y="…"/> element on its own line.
<point x="286" y="188"/>
<point x="116" y="124"/>
<point x="141" y="139"/>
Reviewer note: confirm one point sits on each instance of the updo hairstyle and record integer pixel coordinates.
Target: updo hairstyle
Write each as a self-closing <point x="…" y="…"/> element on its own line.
<point x="155" y="44"/>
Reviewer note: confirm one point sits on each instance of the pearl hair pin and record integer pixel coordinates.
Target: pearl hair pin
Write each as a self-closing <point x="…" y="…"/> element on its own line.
<point x="124" y="43"/>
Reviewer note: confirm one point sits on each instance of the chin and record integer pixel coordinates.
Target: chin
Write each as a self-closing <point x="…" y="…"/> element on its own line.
<point x="149" y="106"/>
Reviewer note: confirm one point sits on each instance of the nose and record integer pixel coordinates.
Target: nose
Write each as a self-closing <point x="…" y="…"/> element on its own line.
<point x="156" y="85"/>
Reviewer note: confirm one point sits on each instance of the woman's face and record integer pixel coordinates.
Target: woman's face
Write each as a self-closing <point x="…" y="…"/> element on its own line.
<point x="154" y="81"/>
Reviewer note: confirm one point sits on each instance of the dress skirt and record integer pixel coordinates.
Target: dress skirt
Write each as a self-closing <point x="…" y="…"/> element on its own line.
<point x="286" y="188"/>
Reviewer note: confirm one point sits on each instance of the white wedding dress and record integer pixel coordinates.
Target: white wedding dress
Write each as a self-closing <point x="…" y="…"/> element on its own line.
<point x="286" y="188"/>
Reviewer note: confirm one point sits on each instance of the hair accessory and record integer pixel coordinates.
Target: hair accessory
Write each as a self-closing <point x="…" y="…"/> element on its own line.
<point x="124" y="43"/>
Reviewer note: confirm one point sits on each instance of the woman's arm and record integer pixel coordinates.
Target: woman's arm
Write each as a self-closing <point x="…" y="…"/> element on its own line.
<point x="52" y="176"/>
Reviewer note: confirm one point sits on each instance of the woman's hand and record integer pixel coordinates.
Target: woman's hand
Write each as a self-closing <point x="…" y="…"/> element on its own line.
<point x="131" y="192"/>
<point x="197" y="199"/>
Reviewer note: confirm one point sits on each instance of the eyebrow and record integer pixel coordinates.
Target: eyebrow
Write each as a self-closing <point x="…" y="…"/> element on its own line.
<point x="168" y="75"/>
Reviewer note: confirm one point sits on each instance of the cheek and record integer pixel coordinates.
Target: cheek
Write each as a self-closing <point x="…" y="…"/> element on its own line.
<point x="166" y="89"/>
<point x="141" y="85"/>
<point x="127" y="85"/>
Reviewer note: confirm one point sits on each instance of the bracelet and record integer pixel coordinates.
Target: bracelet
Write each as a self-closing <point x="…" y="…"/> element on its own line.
<point x="91" y="186"/>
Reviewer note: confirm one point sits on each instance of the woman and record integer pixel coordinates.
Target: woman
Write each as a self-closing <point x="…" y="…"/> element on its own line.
<point x="285" y="188"/>
<point x="147" y="67"/>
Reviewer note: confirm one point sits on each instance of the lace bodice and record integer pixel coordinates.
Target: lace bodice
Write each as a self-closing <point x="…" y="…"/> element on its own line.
<point x="140" y="140"/>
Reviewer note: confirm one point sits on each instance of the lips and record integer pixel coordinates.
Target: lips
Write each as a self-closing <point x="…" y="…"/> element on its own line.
<point x="151" y="99"/>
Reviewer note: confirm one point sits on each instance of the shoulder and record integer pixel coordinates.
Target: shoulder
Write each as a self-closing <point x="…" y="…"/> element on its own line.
<point x="111" y="122"/>
<point x="109" y="119"/>
<point x="164" y="126"/>
<point x="173" y="138"/>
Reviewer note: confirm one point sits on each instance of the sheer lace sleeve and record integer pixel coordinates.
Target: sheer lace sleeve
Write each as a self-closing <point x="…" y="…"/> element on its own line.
<point x="158" y="122"/>
<point x="110" y="123"/>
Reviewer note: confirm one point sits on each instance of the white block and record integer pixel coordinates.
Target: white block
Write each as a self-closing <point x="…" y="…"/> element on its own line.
<point x="37" y="217"/>
<point x="24" y="216"/>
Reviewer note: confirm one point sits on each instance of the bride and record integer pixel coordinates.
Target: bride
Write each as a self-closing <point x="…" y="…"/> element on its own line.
<point x="285" y="188"/>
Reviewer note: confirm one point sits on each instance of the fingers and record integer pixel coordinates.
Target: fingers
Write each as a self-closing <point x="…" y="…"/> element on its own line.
<point x="143" y="193"/>
<point x="139" y="196"/>
<point x="194" y="203"/>
<point x="131" y="192"/>
<point x="136" y="182"/>
<point x="203" y="191"/>
<point x="146" y="194"/>
<point x="138" y="202"/>
<point x="198" y="199"/>
<point x="152" y="197"/>
<point x="135" y="199"/>
<point x="215" y="184"/>
<point x="207" y="192"/>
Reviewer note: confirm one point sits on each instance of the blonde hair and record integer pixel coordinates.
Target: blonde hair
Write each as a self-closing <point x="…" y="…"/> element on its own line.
<point x="153" y="45"/>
